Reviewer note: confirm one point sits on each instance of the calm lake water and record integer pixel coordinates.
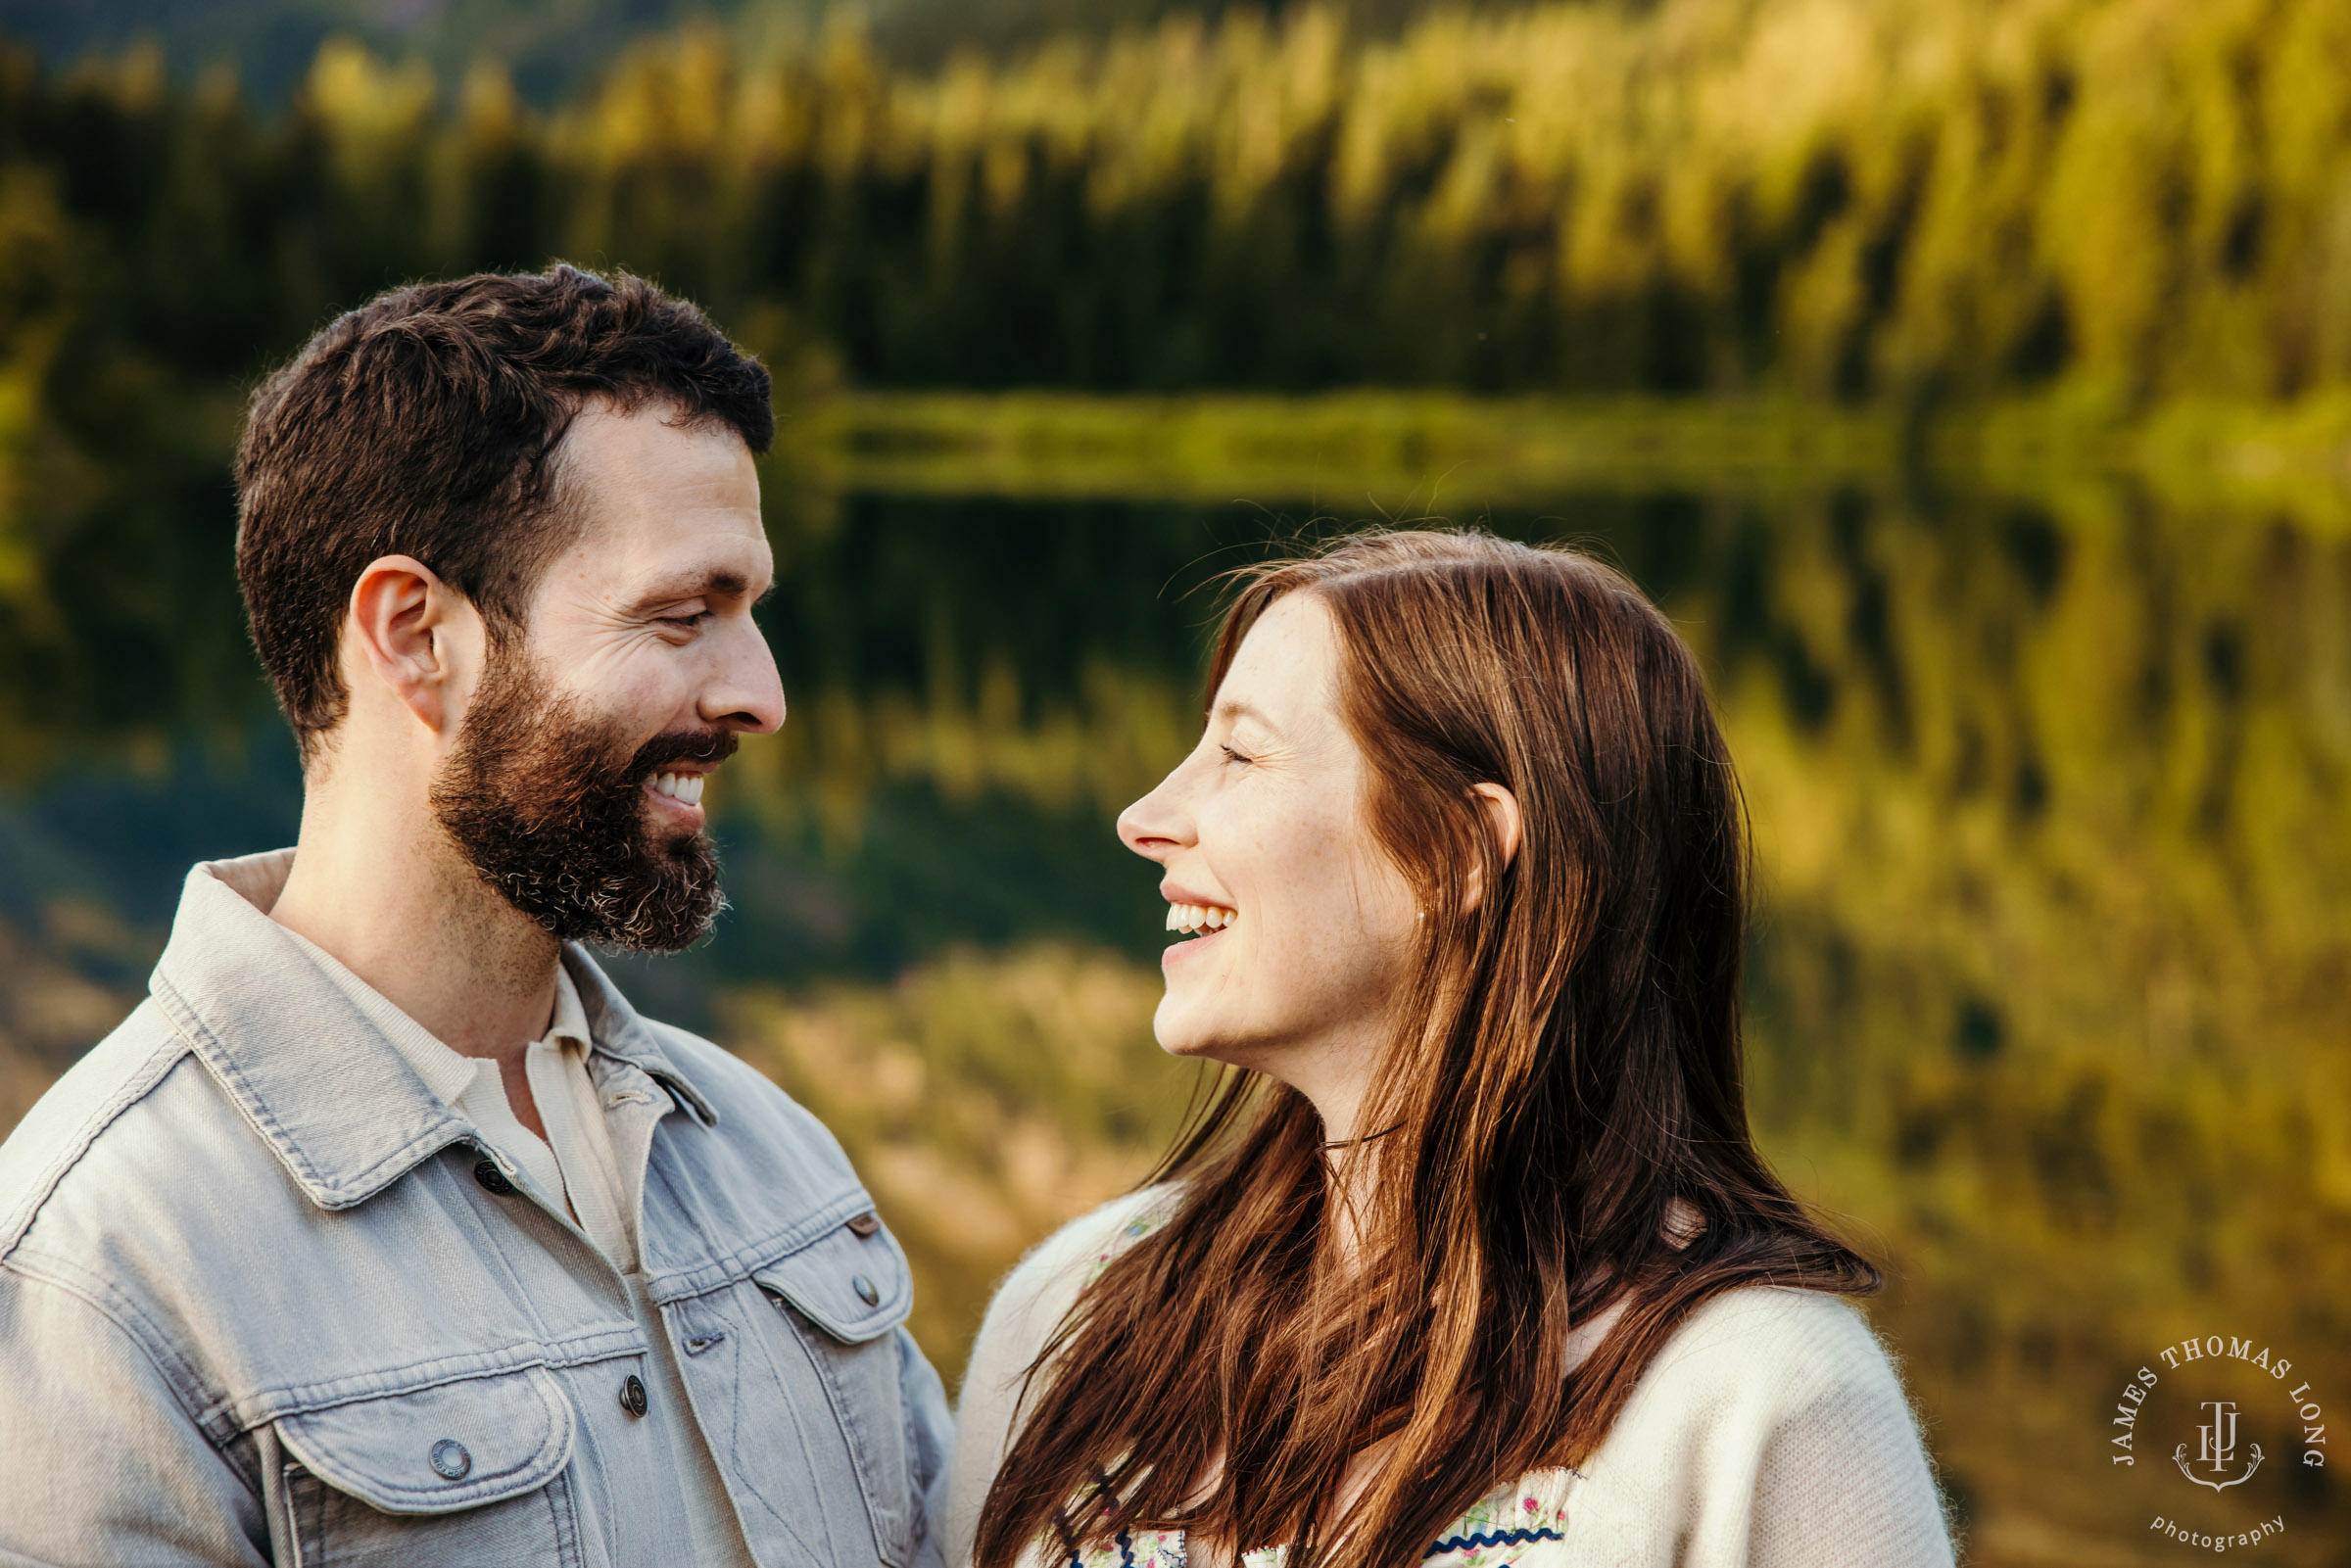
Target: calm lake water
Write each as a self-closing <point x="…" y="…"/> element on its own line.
<point x="2049" y="792"/>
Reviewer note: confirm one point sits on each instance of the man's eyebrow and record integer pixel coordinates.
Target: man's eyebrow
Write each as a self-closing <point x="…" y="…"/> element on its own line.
<point x="718" y="583"/>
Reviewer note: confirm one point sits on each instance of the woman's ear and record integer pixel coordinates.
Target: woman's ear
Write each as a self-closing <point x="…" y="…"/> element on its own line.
<point x="1503" y="823"/>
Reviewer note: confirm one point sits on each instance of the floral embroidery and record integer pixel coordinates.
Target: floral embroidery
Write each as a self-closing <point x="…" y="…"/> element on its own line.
<point x="1494" y="1533"/>
<point x="1142" y="1224"/>
<point x="1136" y="1548"/>
<point x="1531" y="1510"/>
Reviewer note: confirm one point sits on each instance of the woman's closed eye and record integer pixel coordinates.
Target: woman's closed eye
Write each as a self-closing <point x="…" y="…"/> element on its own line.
<point x="1230" y="755"/>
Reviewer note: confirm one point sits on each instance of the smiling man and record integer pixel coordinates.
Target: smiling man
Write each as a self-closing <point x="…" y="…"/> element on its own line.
<point x="385" y="1231"/>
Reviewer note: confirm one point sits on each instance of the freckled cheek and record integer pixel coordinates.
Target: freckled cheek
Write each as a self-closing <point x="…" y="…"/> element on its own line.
<point x="1294" y="898"/>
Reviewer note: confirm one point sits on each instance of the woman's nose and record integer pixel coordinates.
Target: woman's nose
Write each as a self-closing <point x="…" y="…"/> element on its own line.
<point x="1155" y="827"/>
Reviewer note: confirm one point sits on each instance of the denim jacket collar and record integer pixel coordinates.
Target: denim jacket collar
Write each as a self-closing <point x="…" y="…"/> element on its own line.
<point x="334" y="1100"/>
<point x="618" y="1031"/>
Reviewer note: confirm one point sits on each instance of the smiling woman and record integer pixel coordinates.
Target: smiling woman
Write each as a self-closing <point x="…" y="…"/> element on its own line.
<point x="1474" y="1252"/>
<point x="1307" y="922"/>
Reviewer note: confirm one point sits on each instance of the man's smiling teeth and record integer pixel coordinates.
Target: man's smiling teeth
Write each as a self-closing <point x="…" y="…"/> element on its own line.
<point x="1199" y="918"/>
<point x="685" y="787"/>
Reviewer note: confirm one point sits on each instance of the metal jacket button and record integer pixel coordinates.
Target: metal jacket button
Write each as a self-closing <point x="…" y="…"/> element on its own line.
<point x="450" y="1461"/>
<point x="632" y="1396"/>
<point x="493" y="1178"/>
<point x="865" y="1290"/>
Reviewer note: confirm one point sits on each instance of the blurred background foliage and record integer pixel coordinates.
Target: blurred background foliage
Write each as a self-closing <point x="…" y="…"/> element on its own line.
<point x="1971" y="379"/>
<point x="1915" y="200"/>
<point x="554" y="47"/>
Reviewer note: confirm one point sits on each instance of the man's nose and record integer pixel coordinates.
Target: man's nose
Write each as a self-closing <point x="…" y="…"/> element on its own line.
<point x="749" y="694"/>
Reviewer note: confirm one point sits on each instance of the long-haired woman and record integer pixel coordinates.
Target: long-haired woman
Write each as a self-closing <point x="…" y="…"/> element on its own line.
<point x="1472" y="1260"/>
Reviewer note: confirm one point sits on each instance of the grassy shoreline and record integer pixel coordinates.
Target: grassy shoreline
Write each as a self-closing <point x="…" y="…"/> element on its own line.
<point x="1414" y="452"/>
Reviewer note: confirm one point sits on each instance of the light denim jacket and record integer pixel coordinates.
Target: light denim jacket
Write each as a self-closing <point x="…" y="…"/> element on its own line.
<point x="253" y="1301"/>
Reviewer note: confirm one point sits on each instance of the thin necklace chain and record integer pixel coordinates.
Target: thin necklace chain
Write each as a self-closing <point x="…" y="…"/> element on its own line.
<point x="1349" y="1143"/>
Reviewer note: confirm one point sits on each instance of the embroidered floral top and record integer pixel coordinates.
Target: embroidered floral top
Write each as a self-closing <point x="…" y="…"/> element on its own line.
<point x="1508" y="1525"/>
<point x="1770" y="1432"/>
<point x="1498" y="1529"/>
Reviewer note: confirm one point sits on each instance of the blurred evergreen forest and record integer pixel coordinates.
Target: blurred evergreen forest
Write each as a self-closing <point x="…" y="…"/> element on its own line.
<point x="551" y="48"/>
<point x="1912" y="200"/>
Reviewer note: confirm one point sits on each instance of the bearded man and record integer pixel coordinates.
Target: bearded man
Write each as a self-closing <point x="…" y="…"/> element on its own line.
<point x="385" y="1231"/>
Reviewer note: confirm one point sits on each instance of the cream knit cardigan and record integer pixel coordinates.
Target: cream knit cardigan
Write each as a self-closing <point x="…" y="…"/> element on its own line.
<point x="1770" y="1432"/>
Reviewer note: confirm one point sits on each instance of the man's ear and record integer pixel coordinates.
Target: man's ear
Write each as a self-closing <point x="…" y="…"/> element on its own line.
<point x="1503" y="823"/>
<point x="401" y="626"/>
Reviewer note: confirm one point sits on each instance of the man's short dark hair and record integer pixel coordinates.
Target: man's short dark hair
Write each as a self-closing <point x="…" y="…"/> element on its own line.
<point x="423" y="424"/>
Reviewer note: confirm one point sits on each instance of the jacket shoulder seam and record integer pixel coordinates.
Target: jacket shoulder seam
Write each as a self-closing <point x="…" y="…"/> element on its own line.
<point x="123" y="1316"/>
<point x="135" y="1086"/>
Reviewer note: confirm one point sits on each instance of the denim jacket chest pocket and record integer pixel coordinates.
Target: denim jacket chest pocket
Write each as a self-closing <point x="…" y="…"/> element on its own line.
<point x="837" y="1305"/>
<point x="469" y="1472"/>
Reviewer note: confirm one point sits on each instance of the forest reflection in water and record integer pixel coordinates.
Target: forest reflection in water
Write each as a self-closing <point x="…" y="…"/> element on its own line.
<point x="2048" y="793"/>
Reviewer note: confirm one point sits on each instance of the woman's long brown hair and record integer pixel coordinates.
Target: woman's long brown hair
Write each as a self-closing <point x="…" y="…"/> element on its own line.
<point x="1566" y="1071"/>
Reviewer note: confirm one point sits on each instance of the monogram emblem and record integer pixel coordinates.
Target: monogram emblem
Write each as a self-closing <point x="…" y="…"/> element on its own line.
<point x="2218" y="1449"/>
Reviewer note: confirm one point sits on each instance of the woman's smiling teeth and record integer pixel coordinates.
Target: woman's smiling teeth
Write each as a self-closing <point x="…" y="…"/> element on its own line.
<point x="1192" y="918"/>
<point x="683" y="788"/>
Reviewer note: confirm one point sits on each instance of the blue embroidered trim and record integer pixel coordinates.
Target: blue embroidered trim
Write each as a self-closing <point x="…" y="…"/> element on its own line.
<point x="1506" y="1537"/>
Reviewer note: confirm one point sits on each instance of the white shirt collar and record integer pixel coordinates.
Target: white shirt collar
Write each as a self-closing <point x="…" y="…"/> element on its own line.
<point x="447" y="1071"/>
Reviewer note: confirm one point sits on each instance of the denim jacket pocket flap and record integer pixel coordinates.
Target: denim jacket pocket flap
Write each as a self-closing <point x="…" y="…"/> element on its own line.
<point x="442" y="1448"/>
<point x="853" y="1288"/>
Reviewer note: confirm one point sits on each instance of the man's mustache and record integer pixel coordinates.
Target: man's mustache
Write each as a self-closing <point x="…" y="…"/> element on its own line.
<point x="708" y="747"/>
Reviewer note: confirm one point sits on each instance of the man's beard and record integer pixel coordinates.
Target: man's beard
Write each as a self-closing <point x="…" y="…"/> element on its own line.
<point x="536" y="799"/>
